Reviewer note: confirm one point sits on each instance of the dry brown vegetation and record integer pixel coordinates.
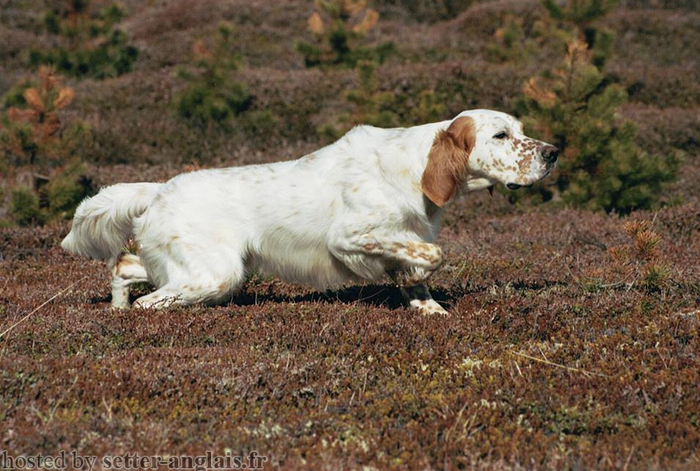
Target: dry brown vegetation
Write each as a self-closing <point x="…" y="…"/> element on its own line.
<point x="544" y="362"/>
<point x="561" y="351"/>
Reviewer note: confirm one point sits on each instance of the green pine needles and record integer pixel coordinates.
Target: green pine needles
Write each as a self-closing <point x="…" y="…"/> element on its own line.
<point x="339" y="28"/>
<point x="213" y="93"/>
<point x="40" y="154"/>
<point x="576" y="108"/>
<point x="88" y="43"/>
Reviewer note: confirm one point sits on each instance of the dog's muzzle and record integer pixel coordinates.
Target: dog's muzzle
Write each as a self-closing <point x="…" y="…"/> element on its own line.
<point x="549" y="154"/>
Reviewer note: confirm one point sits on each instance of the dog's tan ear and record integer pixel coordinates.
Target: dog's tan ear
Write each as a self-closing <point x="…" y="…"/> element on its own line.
<point x="448" y="161"/>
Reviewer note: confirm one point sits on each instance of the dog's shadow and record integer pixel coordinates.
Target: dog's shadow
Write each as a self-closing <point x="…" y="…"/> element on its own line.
<point x="369" y="295"/>
<point x="373" y="295"/>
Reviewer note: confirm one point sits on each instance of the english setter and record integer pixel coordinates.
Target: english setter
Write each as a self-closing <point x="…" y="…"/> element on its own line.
<point x="363" y="208"/>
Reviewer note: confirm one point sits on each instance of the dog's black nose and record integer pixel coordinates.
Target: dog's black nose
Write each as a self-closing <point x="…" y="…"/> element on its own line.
<point x="549" y="153"/>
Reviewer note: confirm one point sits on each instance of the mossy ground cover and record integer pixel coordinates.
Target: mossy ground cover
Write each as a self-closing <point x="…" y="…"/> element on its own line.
<point x="536" y="367"/>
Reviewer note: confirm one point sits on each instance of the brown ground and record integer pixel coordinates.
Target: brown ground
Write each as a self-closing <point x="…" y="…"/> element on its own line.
<point x="350" y="378"/>
<point x="550" y="359"/>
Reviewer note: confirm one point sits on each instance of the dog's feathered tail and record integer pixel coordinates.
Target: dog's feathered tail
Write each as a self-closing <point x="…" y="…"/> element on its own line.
<point x="102" y="224"/>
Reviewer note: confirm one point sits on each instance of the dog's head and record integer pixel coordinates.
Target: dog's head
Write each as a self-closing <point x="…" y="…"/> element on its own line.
<point x="488" y="145"/>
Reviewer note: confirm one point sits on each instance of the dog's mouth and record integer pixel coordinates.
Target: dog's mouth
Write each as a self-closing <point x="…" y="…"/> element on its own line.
<point x="515" y="186"/>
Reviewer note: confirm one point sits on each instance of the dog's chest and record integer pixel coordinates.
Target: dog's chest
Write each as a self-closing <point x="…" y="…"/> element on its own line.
<point x="298" y="257"/>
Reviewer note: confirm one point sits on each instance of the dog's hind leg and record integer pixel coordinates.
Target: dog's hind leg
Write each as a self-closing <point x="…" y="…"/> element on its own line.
<point x="207" y="288"/>
<point x="126" y="270"/>
<point x="186" y="295"/>
<point x="163" y="297"/>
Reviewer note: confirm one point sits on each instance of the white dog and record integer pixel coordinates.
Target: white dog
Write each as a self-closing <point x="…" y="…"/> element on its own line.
<point x="364" y="207"/>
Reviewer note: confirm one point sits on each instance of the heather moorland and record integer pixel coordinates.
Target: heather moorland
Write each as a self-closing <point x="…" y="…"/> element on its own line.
<point x="573" y="340"/>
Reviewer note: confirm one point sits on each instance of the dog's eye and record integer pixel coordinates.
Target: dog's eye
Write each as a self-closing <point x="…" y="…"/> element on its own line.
<point x="501" y="135"/>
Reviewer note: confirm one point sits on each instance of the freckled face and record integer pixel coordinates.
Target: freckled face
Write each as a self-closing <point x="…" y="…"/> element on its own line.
<point x="504" y="154"/>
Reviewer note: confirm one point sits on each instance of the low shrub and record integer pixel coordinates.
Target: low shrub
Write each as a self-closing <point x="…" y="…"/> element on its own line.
<point x="39" y="153"/>
<point x="24" y="207"/>
<point x="431" y="107"/>
<point x="213" y="93"/>
<point x="639" y="263"/>
<point x="89" y="45"/>
<point x="601" y="167"/>
<point x="559" y="23"/>
<point x="338" y="39"/>
<point x="66" y="188"/>
<point x="258" y="123"/>
<point x="376" y="106"/>
<point x="511" y="43"/>
<point x="576" y="108"/>
<point x="430" y="10"/>
<point x="369" y="104"/>
<point x="574" y="19"/>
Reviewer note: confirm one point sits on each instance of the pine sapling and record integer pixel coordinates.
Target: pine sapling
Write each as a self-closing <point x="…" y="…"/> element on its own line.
<point x="369" y="104"/>
<point x="339" y="29"/>
<point x="89" y="42"/>
<point x="574" y="107"/>
<point x="41" y="153"/>
<point x="214" y="94"/>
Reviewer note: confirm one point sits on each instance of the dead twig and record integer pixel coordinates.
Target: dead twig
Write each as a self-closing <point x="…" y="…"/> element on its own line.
<point x="547" y="362"/>
<point x="4" y="285"/>
<point x="629" y="457"/>
<point x="39" y="307"/>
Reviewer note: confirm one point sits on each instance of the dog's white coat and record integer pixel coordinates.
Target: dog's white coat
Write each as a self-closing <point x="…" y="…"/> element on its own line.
<point x="340" y="214"/>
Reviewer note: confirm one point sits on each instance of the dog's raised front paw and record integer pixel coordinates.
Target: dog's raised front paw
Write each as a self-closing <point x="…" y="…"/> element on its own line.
<point x="428" y="307"/>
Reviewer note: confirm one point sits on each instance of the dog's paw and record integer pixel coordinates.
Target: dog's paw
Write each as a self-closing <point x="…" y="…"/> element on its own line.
<point x="120" y="301"/>
<point x="428" y="307"/>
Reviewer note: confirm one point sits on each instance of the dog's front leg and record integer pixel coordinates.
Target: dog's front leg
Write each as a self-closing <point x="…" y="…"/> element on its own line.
<point x="418" y="262"/>
<point x="408" y="263"/>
